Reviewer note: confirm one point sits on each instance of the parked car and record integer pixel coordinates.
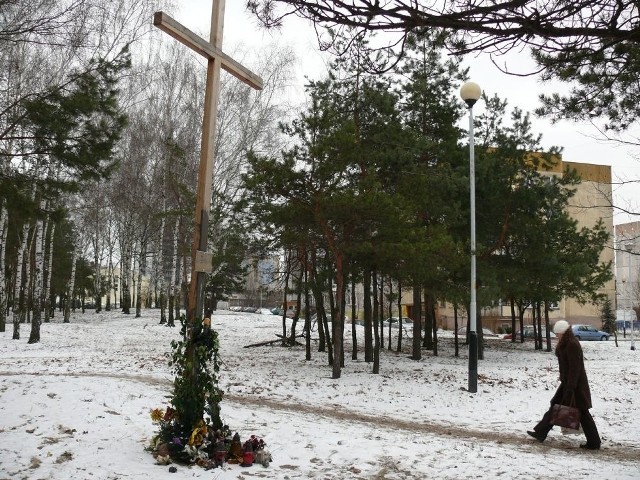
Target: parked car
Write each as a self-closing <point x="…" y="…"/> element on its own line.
<point x="394" y="321"/>
<point x="528" y="333"/>
<point x="587" y="332"/>
<point x="509" y="336"/>
<point x="626" y="325"/>
<point x="462" y="331"/>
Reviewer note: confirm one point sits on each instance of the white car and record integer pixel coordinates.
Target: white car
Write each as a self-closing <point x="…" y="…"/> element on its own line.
<point x="395" y="321"/>
<point x="462" y="331"/>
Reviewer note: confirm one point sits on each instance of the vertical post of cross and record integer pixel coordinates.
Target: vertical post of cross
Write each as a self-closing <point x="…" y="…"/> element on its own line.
<point x="200" y="260"/>
<point x="205" y="172"/>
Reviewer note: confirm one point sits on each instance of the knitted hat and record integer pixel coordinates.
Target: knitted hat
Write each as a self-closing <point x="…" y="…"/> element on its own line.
<point x="561" y="326"/>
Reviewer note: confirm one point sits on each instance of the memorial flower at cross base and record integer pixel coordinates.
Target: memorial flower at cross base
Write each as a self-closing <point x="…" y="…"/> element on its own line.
<point x="198" y="434"/>
<point x="169" y="414"/>
<point x="156" y="415"/>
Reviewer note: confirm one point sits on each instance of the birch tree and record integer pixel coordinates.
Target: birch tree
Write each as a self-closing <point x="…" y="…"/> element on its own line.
<point x="160" y="261"/>
<point x="68" y="303"/>
<point x="36" y="319"/>
<point x="174" y="286"/>
<point x="46" y="295"/>
<point x="19" y="294"/>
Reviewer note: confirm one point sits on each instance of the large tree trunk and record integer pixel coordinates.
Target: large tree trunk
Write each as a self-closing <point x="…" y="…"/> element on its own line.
<point x="110" y="282"/>
<point x="480" y="333"/>
<point x="307" y="308"/>
<point x="48" y="308"/>
<point x="317" y="295"/>
<point x="390" y="313"/>
<point x="521" y="311"/>
<point x="97" y="270"/>
<point x="70" y="287"/>
<point x="141" y="270"/>
<point x="178" y="286"/>
<point x="368" y="324"/>
<point x="354" y="313"/>
<point x="19" y="288"/>
<point x="332" y="300"/>
<point x="327" y="334"/>
<point x="34" y="337"/>
<point x="434" y="326"/>
<point x="160" y="263"/>
<point x="125" y="278"/>
<point x="376" y="321"/>
<point x="343" y="309"/>
<point x="175" y="276"/>
<point x="28" y="279"/>
<point x="427" y="341"/>
<point x="538" y="329"/>
<point x="338" y="320"/>
<point x="455" y="329"/>
<point x="546" y="325"/>
<point x="380" y="293"/>
<point x="4" y="226"/>
<point x="400" y="329"/>
<point x="417" y="323"/>
<point x="296" y="316"/>
<point x="134" y="276"/>
<point x="287" y="276"/>
<point x="513" y="320"/>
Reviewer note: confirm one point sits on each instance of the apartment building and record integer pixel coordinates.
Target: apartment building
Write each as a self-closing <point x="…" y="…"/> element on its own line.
<point x="592" y="202"/>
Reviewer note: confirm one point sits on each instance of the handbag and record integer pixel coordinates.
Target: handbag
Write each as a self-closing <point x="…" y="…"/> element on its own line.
<point x="571" y="431"/>
<point x="565" y="415"/>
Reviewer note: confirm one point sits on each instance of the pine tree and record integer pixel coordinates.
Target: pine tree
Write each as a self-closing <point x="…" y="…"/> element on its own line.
<point x="608" y="317"/>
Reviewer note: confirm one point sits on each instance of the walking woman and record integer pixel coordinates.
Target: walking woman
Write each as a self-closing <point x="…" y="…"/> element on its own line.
<point x="573" y="389"/>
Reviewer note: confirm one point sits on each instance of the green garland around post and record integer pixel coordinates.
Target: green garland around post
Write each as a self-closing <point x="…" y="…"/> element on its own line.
<point x="195" y="402"/>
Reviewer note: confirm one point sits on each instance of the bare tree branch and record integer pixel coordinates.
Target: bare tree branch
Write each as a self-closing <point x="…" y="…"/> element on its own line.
<point x="477" y="24"/>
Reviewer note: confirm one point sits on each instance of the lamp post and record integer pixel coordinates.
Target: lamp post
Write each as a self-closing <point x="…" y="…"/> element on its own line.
<point x="470" y="92"/>
<point x="629" y="247"/>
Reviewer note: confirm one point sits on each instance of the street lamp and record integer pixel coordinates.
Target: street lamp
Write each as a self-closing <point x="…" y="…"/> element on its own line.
<point x="629" y="247"/>
<point x="470" y="93"/>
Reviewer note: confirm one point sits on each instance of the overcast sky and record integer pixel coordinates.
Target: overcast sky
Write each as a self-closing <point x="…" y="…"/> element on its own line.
<point x="579" y="142"/>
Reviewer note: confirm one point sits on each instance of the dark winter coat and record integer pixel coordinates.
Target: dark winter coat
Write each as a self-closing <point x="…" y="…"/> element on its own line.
<point x="573" y="377"/>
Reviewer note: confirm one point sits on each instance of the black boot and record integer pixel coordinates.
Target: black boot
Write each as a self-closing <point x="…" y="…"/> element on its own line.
<point x="536" y="435"/>
<point x="588" y="446"/>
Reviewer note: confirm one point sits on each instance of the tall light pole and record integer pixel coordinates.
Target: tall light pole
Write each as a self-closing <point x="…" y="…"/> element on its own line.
<point x="470" y="93"/>
<point x="629" y="247"/>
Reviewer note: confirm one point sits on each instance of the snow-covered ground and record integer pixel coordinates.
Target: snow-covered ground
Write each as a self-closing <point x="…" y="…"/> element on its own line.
<point x="76" y="406"/>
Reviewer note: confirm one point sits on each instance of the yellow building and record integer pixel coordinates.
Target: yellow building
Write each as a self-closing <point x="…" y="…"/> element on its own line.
<point x="592" y="202"/>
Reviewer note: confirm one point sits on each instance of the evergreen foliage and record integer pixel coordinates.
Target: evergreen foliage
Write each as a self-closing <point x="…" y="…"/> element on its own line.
<point x="378" y="180"/>
<point x="608" y="316"/>
<point x="196" y="397"/>
<point x="70" y="130"/>
<point x="594" y="45"/>
<point x="230" y="253"/>
<point x="604" y="84"/>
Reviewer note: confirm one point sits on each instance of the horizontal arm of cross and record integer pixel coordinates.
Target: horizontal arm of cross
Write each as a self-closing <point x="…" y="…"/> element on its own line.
<point x="167" y="24"/>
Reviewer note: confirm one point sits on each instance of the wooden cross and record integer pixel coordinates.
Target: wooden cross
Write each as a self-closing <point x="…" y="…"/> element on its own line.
<point x="201" y="261"/>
